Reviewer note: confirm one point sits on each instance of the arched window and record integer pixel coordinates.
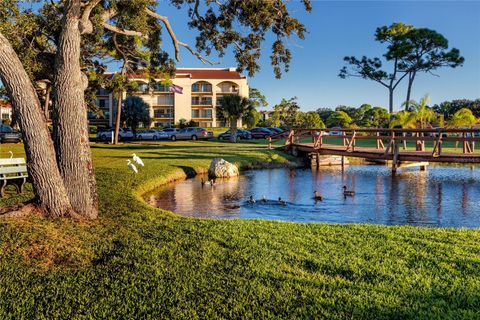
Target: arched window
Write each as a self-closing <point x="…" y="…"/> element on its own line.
<point x="227" y="87"/>
<point x="202" y="86"/>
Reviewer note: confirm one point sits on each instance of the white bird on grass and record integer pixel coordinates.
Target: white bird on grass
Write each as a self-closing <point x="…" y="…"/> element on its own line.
<point x="138" y="160"/>
<point x="11" y="154"/>
<point x="132" y="166"/>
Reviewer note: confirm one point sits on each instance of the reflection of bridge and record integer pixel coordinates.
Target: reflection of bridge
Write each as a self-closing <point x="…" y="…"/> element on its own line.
<point x="394" y="145"/>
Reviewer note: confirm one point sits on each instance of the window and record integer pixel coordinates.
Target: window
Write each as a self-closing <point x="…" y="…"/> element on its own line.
<point x="142" y="87"/>
<point x="103" y="92"/>
<point x="165" y="100"/>
<point x="161" y="88"/>
<point x="201" y="87"/>
<point x="228" y="87"/>
<point x="206" y="87"/>
<point x="202" y="101"/>
<point x="202" y="113"/>
<point x="163" y="113"/>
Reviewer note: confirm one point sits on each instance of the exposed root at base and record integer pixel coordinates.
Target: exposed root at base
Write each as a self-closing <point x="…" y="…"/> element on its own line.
<point x="20" y="210"/>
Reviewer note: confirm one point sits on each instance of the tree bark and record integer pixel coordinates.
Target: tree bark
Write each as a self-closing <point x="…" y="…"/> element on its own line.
<point x="233" y="129"/>
<point x="50" y="194"/>
<point x="118" y="118"/>
<point x="411" y="77"/>
<point x="390" y="101"/>
<point x="46" y="105"/>
<point x="70" y="123"/>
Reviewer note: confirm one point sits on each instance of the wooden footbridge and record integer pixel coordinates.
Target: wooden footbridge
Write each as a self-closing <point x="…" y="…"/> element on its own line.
<point x="401" y="147"/>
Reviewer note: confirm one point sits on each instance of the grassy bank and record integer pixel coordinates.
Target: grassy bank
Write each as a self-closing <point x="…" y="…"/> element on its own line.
<point x="139" y="262"/>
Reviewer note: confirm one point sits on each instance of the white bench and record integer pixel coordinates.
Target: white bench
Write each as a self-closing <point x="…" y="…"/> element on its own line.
<point x="12" y="171"/>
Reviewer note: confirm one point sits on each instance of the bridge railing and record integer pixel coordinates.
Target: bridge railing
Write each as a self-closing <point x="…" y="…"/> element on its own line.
<point x="394" y="137"/>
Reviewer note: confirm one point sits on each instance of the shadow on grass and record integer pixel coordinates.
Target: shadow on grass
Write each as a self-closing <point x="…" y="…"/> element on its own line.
<point x="189" y="171"/>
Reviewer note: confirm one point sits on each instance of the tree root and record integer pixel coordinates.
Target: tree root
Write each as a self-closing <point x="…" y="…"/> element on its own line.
<point x="20" y="210"/>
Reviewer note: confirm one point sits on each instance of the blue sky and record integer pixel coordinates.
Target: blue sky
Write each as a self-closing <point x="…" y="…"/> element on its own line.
<point x="340" y="28"/>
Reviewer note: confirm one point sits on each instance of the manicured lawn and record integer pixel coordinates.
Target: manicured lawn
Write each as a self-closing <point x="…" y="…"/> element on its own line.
<point x="138" y="262"/>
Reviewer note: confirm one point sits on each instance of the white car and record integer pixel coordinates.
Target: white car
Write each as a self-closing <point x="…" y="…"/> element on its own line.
<point x="170" y="131"/>
<point x="123" y="134"/>
<point x="151" y="135"/>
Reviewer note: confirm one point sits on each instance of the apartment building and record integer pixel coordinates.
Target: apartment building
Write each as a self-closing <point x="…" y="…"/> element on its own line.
<point x="5" y="111"/>
<point x="193" y="94"/>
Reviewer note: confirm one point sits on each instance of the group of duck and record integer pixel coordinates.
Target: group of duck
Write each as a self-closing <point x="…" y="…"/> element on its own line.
<point x="316" y="197"/>
<point x="211" y="182"/>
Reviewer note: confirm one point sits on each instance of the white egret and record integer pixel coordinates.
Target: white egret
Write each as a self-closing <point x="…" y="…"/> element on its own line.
<point x="132" y="166"/>
<point x="11" y="154"/>
<point x="138" y="160"/>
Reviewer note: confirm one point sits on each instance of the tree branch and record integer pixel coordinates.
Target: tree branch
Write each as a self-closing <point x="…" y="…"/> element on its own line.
<point x="117" y="30"/>
<point x="176" y="43"/>
<point x="86" y="25"/>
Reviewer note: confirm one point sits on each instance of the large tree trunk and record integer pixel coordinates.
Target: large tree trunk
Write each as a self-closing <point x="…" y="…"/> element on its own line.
<point x="50" y="194"/>
<point x="411" y="77"/>
<point x="70" y="123"/>
<point x="118" y="119"/>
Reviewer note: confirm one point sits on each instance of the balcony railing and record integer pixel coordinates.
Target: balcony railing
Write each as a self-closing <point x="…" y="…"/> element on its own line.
<point x="228" y="91"/>
<point x="163" y="116"/>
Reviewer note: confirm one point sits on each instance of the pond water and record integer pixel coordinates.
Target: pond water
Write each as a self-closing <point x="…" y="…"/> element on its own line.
<point x="442" y="196"/>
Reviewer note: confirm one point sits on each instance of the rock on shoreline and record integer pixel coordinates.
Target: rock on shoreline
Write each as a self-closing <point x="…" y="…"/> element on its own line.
<point x="220" y="168"/>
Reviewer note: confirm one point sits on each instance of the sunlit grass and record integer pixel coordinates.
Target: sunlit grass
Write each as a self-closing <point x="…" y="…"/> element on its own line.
<point x="140" y="262"/>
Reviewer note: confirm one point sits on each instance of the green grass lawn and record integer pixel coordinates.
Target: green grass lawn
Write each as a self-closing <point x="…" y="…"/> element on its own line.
<point x="137" y="262"/>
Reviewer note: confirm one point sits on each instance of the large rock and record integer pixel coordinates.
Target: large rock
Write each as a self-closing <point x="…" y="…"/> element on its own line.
<point x="219" y="168"/>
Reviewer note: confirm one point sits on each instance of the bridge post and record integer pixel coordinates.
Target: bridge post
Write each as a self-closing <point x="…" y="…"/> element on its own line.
<point x="396" y="151"/>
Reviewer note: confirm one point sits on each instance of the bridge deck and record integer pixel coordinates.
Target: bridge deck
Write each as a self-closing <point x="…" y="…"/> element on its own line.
<point x="379" y="154"/>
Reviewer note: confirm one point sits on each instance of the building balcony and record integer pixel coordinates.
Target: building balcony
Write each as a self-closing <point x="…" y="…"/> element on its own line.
<point x="226" y="91"/>
<point x="202" y="104"/>
<point x="163" y="116"/>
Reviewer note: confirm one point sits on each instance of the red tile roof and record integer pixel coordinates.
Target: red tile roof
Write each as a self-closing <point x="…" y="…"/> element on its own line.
<point x="211" y="73"/>
<point x="5" y="104"/>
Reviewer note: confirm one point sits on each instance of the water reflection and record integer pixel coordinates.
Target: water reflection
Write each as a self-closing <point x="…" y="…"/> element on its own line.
<point x="446" y="196"/>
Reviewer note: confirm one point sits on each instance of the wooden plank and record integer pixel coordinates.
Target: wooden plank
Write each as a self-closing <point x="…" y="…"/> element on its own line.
<point x="351" y="143"/>
<point x="13" y="177"/>
<point x="11" y="161"/>
<point x="14" y="169"/>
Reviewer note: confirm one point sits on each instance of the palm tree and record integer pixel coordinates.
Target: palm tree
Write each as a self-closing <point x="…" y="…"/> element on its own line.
<point x="405" y="120"/>
<point x="462" y="118"/>
<point x="233" y="108"/>
<point x="423" y="113"/>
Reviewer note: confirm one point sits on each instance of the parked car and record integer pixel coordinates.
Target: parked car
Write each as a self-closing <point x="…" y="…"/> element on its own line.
<point x="192" y="133"/>
<point x="152" y="135"/>
<point x="260" y="133"/>
<point x="335" y="133"/>
<point x="241" y="134"/>
<point x="275" y="130"/>
<point x="435" y="134"/>
<point x="170" y="131"/>
<point x="123" y="134"/>
<point x="9" y="135"/>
